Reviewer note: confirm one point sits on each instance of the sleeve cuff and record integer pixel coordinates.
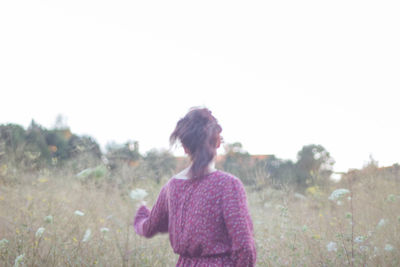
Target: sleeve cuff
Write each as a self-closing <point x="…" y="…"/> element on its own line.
<point x="141" y="215"/>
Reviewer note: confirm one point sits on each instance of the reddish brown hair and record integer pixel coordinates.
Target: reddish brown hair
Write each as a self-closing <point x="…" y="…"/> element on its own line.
<point x="198" y="132"/>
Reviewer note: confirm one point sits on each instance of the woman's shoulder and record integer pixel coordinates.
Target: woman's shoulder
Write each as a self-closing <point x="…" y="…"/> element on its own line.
<point x="218" y="177"/>
<point x="226" y="178"/>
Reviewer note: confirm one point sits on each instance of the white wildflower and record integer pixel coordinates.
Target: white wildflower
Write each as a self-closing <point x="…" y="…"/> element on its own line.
<point x="48" y="219"/>
<point x="267" y="205"/>
<point x="138" y="194"/>
<point x="86" y="237"/>
<point x="359" y="239"/>
<point x="79" y="213"/>
<point x="104" y="230"/>
<point x="338" y="194"/>
<point x="300" y="196"/>
<point x="39" y="232"/>
<point x="388" y="247"/>
<point x="19" y="260"/>
<point x="85" y="173"/>
<point x="141" y="203"/>
<point x="332" y="246"/>
<point x="3" y="243"/>
<point x="381" y="223"/>
<point x="339" y="203"/>
<point x="391" y="198"/>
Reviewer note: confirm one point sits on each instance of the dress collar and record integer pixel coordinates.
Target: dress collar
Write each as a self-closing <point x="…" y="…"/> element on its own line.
<point x="183" y="175"/>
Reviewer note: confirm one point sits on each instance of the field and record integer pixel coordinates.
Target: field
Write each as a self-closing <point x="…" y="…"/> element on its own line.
<point x="55" y="219"/>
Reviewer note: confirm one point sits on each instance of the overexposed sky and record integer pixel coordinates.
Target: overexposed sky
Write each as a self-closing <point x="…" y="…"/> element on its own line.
<point x="277" y="74"/>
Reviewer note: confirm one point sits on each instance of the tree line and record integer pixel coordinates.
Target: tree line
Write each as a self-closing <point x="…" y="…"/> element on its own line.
<point x="314" y="166"/>
<point x="36" y="147"/>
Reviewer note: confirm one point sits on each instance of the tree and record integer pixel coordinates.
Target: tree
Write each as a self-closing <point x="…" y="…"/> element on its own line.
<point x="238" y="162"/>
<point x="82" y="145"/>
<point x="159" y="163"/>
<point x="38" y="147"/>
<point x="281" y="172"/>
<point x="60" y="122"/>
<point x="123" y="154"/>
<point x="314" y="166"/>
<point x="13" y="136"/>
<point x="12" y="142"/>
<point x="36" y="142"/>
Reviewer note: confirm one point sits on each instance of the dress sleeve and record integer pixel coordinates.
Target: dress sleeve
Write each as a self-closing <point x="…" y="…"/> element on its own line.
<point x="147" y="223"/>
<point x="238" y="223"/>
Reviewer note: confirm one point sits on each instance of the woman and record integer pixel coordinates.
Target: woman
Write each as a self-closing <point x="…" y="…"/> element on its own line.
<point x="204" y="210"/>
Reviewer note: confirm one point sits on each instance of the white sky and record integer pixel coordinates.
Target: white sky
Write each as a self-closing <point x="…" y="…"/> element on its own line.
<point x="277" y="74"/>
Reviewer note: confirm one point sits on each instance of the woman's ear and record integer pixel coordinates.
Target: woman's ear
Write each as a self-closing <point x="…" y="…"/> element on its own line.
<point x="218" y="141"/>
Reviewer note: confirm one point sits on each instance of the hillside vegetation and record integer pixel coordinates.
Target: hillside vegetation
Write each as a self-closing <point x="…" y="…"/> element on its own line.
<point x="73" y="208"/>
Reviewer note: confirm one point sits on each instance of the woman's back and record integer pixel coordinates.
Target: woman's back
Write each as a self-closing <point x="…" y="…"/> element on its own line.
<point x="207" y="220"/>
<point x="206" y="212"/>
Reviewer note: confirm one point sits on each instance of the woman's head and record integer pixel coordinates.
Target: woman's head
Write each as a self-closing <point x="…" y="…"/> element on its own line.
<point x="199" y="133"/>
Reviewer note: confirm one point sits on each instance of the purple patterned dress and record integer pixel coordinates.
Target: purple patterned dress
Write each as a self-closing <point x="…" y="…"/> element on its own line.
<point x="207" y="220"/>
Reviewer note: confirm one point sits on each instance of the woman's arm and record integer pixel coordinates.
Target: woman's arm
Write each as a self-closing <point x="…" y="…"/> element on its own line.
<point x="147" y="223"/>
<point x="239" y="224"/>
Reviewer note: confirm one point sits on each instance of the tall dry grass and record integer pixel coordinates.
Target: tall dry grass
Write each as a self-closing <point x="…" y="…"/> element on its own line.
<point x="290" y="229"/>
